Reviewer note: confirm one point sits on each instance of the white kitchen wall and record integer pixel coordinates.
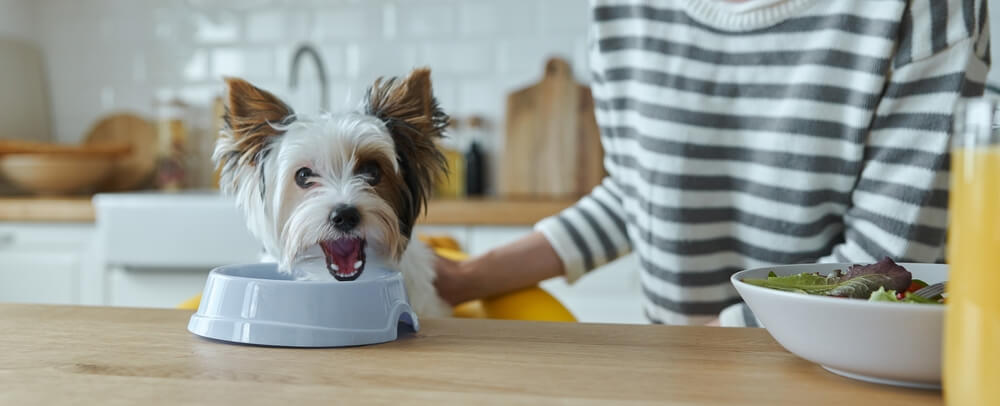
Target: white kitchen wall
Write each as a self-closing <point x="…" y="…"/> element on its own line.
<point x="17" y="18"/>
<point x="111" y="55"/>
<point x="105" y="56"/>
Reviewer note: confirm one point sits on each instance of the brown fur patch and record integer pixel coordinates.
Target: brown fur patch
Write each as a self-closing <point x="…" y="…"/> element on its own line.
<point x="250" y="112"/>
<point x="414" y="120"/>
<point x="392" y="189"/>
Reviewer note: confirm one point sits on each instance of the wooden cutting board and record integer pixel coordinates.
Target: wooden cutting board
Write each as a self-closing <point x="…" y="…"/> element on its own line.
<point x="552" y="148"/>
<point x="133" y="170"/>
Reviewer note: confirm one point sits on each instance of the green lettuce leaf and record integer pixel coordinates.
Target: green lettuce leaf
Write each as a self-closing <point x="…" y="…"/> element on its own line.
<point x="860" y="287"/>
<point x="859" y="282"/>
<point x="810" y="283"/>
<point x="911" y="298"/>
<point x="882" y="295"/>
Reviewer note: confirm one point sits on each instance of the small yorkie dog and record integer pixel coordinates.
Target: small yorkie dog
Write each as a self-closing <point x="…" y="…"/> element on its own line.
<point x="326" y="195"/>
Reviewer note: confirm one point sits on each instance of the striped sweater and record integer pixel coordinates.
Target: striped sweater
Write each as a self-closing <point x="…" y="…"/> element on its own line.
<point x="767" y="132"/>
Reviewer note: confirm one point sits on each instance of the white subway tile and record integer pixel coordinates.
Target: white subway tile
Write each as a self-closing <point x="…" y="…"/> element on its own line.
<point x="480" y="96"/>
<point x="390" y="20"/>
<point x="165" y="21"/>
<point x="265" y="26"/>
<point x="140" y="72"/>
<point x="298" y="25"/>
<point x="198" y="95"/>
<point x="581" y="60"/>
<point x="346" y="95"/>
<point x="259" y="63"/>
<point x="227" y="62"/>
<point x="194" y="65"/>
<point x="426" y="19"/>
<point x="367" y="61"/>
<point x="216" y="27"/>
<point x="125" y="21"/>
<point x="459" y="57"/>
<point x="478" y="50"/>
<point x="511" y="18"/>
<point x="531" y="55"/>
<point x="446" y="92"/>
<point x="132" y="98"/>
<point x="565" y="16"/>
<point x="348" y="22"/>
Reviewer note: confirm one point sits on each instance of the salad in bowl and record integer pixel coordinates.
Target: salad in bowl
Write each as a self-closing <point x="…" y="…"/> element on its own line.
<point x="859" y="321"/>
<point x="884" y="281"/>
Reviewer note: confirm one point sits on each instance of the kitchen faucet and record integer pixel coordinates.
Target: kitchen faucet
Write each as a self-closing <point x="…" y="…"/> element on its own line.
<point x="293" y="78"/>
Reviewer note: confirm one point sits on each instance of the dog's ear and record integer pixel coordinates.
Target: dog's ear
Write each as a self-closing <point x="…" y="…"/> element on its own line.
<point x="412" y="116"/>
<point x="251" y="116"/>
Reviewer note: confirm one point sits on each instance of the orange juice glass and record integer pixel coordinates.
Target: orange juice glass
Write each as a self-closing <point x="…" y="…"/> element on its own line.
<point x="971" y="373"/>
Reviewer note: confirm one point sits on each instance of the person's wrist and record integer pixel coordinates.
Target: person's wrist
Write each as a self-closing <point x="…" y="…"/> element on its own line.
<point x="476" y="275"/>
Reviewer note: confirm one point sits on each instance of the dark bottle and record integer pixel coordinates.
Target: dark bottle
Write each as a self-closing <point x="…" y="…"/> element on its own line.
<point x="475" y="165"/>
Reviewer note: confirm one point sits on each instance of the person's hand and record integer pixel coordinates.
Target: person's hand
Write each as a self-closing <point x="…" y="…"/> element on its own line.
<point x="492" y="274"/>
<point x="453" y="282"/>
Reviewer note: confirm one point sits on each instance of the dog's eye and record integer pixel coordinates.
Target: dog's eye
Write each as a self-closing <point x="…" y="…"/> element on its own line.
<point x="370" y="171"/>
<point x="302" y="177"/>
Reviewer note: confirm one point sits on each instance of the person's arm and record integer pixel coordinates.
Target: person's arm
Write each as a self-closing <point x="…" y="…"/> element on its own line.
<point x="585" y="236"/>
<point x="580" y="238"/>
<point x="501" y="270"/>
<point x="899" y="206"/>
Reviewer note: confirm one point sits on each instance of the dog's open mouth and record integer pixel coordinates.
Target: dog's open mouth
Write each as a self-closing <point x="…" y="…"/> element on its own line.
<point x="345" y="257"/>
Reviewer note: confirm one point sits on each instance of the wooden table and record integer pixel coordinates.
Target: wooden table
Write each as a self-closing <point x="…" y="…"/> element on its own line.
<point x="110" y="356"/>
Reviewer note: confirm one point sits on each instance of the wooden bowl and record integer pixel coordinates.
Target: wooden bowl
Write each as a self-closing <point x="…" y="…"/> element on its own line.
<point x="56" y="174"/>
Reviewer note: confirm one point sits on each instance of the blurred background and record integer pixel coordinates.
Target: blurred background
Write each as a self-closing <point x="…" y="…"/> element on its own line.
<point x="109" y="110"/>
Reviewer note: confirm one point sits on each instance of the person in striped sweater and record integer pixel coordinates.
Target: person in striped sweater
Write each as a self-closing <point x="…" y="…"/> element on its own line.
<point x="741" y="134"/>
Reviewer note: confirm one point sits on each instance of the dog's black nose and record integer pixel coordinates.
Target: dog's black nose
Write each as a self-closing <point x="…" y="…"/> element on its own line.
<point x="345" y="218"/>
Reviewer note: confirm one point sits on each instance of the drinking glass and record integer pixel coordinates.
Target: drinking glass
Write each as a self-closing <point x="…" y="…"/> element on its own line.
<point x="971" y="374"/>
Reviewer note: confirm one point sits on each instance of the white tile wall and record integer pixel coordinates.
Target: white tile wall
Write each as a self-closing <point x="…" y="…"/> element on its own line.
<point x="16" y="17"/>
<point x="107" y="56"/>
<point x="111" y="55"/>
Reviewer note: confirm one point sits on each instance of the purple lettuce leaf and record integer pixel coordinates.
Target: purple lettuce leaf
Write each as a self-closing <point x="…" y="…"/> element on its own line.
<point x="898" y="278"/>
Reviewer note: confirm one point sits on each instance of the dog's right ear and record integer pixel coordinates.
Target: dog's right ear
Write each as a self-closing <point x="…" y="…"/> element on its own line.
<point x="251" y="116"/>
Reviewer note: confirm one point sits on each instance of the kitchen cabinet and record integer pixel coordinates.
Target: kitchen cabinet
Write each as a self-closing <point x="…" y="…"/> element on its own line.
<point x="153" y="287"/>
<point x="41" y="263"/>
<point x="155" y="250"/>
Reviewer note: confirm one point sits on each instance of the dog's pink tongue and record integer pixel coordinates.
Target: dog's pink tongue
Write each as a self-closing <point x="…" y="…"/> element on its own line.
<point x="343" y="253"/>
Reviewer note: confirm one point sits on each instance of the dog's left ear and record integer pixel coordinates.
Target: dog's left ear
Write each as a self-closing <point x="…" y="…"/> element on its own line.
<point x="413" y="118"/>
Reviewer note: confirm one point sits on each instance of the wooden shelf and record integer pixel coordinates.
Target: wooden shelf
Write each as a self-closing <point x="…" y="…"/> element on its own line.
<point x="440" y="212"/>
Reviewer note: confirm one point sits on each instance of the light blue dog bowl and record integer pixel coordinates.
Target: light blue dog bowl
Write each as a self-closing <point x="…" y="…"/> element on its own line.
<point x="255" y="304"/>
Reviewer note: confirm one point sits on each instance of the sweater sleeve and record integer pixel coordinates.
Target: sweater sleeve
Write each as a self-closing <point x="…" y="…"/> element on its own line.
<point x="591" y="233"/>
<point x="899" y="204"/>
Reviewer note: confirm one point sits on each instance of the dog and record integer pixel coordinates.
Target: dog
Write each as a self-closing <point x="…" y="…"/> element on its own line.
<point x="329" y="194"/>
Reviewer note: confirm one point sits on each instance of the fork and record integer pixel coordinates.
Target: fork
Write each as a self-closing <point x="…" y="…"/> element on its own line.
<point x="930" y="291"/>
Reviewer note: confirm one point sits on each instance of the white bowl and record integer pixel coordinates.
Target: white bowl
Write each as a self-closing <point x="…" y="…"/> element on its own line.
<point x="255" y="304"/>
<point x="882" y="342"/>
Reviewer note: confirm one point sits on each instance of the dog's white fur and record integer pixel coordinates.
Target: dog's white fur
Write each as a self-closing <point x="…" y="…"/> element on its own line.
<point x="291" y="221"/>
